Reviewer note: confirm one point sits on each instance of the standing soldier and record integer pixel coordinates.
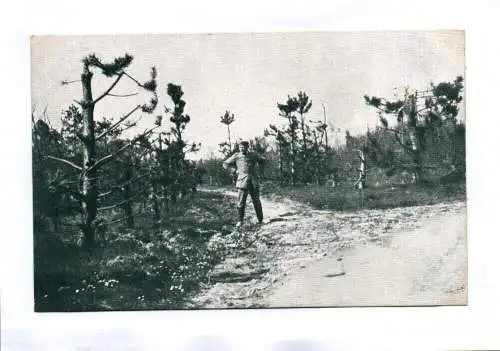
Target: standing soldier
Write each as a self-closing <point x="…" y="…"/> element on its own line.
<point x="243" y="164"/>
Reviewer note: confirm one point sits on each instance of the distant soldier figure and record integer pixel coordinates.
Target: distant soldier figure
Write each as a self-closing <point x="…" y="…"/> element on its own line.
<point x="243" y="164"/>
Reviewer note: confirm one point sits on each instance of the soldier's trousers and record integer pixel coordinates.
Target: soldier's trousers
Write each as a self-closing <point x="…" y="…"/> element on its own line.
<point x="253" y="190"/>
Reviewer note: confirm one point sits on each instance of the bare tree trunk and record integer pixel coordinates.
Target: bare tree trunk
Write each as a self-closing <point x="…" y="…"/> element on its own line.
<point x="304" y="146"/>
<point x="156" y="206"/>
<point x="229" y="136"/>
<point x="292" y="163"/>
<point x="304" y="150"/>
<point x="89" y="175"/>
<point x="127" y="206"/>
<point x="361" y="182"/>
<point x="416" y="141"/>
<point x="317" y="157"/>
<point x="326" y="127"/>
<point x="416" y="154"/>
<point x="280" y="150"/>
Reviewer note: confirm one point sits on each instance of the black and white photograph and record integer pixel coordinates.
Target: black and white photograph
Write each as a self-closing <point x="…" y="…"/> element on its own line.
<point x="249" y="170"/>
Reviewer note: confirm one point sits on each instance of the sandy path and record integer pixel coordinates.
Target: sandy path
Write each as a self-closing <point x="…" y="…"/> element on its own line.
<point x="305" y="257"/>
<point x="425" y="266"/>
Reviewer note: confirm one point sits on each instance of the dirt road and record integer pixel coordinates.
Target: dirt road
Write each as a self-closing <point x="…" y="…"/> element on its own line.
<point x="310" y="258"/>
<point x="425" y="266"/>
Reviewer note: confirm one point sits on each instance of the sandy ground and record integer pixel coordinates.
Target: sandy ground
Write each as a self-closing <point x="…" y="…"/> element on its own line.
<point x="309" y="258"/>
<point x="425" y="266"/>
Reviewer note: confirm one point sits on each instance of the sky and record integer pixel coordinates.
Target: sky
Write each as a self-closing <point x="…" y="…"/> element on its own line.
<point x="248" y="74"/>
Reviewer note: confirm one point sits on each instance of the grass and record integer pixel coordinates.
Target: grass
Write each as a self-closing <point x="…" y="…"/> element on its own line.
<point x="136" y="269"/>
<point x="349" y="199"/>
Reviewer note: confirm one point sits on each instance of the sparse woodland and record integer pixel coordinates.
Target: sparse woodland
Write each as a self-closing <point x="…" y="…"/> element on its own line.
<point x="120" y="223"/>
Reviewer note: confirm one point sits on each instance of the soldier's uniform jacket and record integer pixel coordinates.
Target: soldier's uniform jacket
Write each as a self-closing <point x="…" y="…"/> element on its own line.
<point x="246" y="168"/>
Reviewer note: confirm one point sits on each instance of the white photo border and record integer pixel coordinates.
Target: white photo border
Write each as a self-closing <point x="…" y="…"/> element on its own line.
<point x="473" y="327"/>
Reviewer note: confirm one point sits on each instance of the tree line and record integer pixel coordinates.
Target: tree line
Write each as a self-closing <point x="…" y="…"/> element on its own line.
<point x="419" y="137"/>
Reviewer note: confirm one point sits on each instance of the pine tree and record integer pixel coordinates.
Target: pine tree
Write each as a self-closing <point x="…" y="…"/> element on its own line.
<point x="417" y="114"/>
<point x="303" y="107"/>
<point x="89" y="138"/>
<point x="288" y="111"/>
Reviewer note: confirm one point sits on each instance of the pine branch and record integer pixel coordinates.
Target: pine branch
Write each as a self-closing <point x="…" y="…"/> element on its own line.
<point x="152" y="104"/>
<point x="383" y="110"/>
<point x="109" y="157"/>
<point x="109" y="89"/>
<point x="132" y="78"/>
<point x="131" y="125"/>
<point x="168" y="111"/>
<point x="123" y="95"/>
<point x="65" y="181"/>
<point x="109" y="69"/>
<point x="422" y="109"/>
<point x="121" y="219"/>
<point x="106" y="193"/>
<point x="121" y="203"/>
<point x="66" y="82"/>
<point x="144" y="153"/>
<point x="65" y="162"/>
<point x="116" y="187"/>
<point x="114" y="126"/>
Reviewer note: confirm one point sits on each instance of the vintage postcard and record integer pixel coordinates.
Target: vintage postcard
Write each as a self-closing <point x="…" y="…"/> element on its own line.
<point x="249" y="170"/>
